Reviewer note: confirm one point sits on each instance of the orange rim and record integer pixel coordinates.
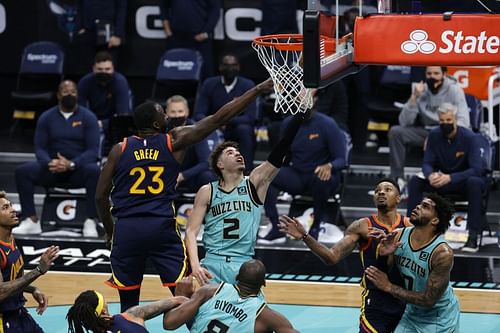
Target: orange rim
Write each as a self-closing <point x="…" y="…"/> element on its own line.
<point x="270" y="40"/>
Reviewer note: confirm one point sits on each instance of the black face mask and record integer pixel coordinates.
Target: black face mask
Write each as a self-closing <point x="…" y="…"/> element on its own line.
<point x="103" y="78"/>
<point x="430" y="83"/>
<point x="229" y="74"/>
<point x="68" y="102"/>
<point x="447" y="129"/>
<point x="175" y="122"/>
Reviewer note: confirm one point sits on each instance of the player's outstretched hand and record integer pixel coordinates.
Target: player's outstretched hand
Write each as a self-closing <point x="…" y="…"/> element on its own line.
<point x="378" y="278"/>
<point x="185" y="287"/>
<point x="265" y="86"/>
<point x="291" y="226"/>
<point x="41" y="299"/>
<point x="202" y="275"/>
<point x="388" y="244"/>
<point x="48" y="258"/>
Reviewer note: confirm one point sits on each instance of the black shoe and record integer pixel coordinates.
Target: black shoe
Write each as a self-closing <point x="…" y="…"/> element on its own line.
<point x="471" y="245"/>
<point x="273" y="237"/>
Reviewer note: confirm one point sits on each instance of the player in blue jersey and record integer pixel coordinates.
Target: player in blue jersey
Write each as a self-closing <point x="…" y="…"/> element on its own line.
<point x="90" y="312"/>
<point x="229" y="307"/>
<point x="380" y="312"/>
<point x="13" y="282"/>
<point x="424" y="260"/>
<point x="232" y="208"/>
<point x="140" y="175"/>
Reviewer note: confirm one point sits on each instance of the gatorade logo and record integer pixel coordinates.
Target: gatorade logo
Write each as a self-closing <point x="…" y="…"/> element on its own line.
<point x="453" y="42"/>
<point x="66" y="210"/>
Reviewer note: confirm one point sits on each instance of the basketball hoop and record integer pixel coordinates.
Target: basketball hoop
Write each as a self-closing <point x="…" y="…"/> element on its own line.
<point x="281" y="55"/>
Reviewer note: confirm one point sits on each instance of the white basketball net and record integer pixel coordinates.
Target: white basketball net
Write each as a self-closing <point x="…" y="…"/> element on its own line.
<point x="285" y="71"/>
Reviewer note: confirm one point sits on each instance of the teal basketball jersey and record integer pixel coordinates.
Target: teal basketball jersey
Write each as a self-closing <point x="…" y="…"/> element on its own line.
<point x="414" y="266"/>
<point x="228" y="312"/>
<point x="232" y="220"/>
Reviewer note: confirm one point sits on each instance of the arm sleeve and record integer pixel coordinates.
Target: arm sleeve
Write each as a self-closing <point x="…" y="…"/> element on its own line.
<point x="213" y="16"/>
<point x="120" y="17"/>
<point x="463" y="116"/>
<point x="249" y="116"/>
<point x="164" y="10"/>
<point x="42" y="141"/>
<point x="408" y="114"/>
<point x="202" y="103"/>
<point x="91" y="152"/>
<point x="429" y="157"/>
<point x="288" y="133"/>
<point x="202" y="152"/>
<point x="336" y="146"/>
<point x="122" y="97"/>
<point x="474" y="161"/>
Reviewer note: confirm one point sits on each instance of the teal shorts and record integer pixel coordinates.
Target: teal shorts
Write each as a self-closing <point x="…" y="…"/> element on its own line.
<point x="223" y="268"/>
<point x="433" y="321"/>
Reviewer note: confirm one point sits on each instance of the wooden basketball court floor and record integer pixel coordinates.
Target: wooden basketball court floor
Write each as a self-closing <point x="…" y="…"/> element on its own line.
<point x="477" y="306"/>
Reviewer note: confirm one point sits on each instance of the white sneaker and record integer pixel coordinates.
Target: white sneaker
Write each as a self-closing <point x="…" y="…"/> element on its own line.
<point x="89" y="229"/>
<point x="403" y="186"/>
<point x="28" y="227"/>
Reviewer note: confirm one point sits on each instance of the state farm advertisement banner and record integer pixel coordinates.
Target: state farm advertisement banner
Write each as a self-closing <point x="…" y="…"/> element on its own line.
<point x="462" y="40"/>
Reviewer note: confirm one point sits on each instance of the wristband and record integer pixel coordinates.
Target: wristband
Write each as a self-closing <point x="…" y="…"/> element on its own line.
<point x="39" y="270"/>
<point x="303" y="238"/>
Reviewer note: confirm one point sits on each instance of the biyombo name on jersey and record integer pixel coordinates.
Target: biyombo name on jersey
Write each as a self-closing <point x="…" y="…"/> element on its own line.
<point x="231" y="309"/>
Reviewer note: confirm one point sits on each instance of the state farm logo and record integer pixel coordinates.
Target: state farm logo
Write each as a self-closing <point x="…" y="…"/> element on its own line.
<point x="453" y="42"/>
<point x="418" y="43"/>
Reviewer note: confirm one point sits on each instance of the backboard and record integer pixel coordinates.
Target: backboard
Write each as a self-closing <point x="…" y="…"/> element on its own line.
<point x="328" y="47"/>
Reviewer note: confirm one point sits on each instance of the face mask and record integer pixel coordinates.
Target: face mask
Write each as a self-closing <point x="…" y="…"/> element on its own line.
<point x="447" y="129"/>
<point x="68" y="102"/>
<point x="103" y="78"/>
<point x="430" y="83"/>
<point x="229" y="74"/>
<point x="175" y="122"/>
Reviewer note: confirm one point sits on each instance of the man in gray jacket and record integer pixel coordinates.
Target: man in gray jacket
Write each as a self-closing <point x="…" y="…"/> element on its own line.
<point x="419" y="115"/>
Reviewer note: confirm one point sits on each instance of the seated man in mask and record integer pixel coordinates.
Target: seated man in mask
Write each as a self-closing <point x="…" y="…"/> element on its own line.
<point x="105" y="92"/>
<point x="195" y="170"/>
<point x="420" y="114"/>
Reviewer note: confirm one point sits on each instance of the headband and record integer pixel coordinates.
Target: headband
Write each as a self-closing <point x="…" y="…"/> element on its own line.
<point x="100" y="303"/>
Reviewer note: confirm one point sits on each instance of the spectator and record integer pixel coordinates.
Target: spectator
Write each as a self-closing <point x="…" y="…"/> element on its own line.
<point x="101" y="27"/>
<point x="419" y="116"/>
<point x="15" y="280"/>
<point x="194" y="171"/>
<point x="190" y="24"/>
<point x="217" y="91"/>
<point x="105" y="92"/>
<point x="66" y="147"/>
<point x="317" y="157"/>
<point x="452" y="164"/>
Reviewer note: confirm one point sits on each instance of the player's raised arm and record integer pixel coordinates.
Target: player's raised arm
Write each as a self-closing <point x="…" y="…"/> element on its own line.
<point x="329" y="256"/>
<point x="193" y="226"/>
<point x="264" y="174"/>
<point x="184" y="136"/>
<point x="273" y="321"/>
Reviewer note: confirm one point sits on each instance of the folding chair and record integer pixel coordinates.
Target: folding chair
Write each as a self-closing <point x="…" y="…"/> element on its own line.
<point x="40" y="73"/>
<point x="178" y="73"/>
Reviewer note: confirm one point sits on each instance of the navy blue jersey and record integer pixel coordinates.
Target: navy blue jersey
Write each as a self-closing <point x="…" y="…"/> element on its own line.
<point x="145" y="178"/>
<point x="369" y="253"/>
<point x="122" y="324"/>
<point x="12" y="265"/>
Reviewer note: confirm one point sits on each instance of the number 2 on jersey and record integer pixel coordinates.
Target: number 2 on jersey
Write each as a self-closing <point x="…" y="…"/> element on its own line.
<point x="229" y="226"/>
<point x="156" y="172"/>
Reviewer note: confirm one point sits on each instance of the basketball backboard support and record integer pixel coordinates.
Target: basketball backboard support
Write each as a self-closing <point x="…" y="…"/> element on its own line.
<point x="327" y="54"/>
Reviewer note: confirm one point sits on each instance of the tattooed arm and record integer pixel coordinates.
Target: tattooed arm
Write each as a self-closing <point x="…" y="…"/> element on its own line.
<point x="141" y="313"/>
<point x="439" y="277"/>
<point x="339" y="251"/>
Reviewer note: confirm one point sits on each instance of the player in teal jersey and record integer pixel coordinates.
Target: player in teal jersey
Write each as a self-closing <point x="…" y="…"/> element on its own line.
<point x="424" y="260"/>
<point x="232" y="209"/>
<point x="229" y="308"/>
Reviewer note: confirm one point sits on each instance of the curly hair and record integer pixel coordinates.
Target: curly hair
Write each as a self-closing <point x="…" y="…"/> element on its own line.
<point x="444" y="210"/>
<point x="217" y="152"/>
<point x="82" y="315"/>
